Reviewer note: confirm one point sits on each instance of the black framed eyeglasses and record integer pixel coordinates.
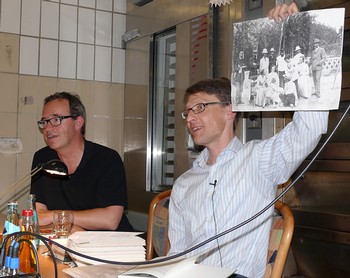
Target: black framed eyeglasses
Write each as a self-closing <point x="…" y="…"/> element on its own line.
<point x="54" y="121"/>
<point x="199" y="108"/>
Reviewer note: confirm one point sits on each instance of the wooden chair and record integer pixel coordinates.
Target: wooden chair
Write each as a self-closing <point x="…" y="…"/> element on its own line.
<point x="157" y="243"/>
<point x="281" y="233"/>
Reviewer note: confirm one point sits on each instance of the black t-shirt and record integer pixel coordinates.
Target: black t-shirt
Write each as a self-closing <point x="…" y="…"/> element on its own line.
<point x="98" y="182"/>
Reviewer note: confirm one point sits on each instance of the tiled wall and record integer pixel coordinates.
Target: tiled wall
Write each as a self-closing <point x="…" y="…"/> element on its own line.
<point x="58" y="45"/>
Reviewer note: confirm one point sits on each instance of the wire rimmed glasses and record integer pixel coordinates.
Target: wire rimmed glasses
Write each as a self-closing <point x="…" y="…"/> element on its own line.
<point x="199" y="108"/>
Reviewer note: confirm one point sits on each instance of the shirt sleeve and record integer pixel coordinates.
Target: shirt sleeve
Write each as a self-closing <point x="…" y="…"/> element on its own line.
<point x="282" y="154"/>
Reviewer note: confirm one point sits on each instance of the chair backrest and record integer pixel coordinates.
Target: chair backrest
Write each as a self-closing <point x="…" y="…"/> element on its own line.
<point x="157" y="243"/>
<point x="281" y="233"/>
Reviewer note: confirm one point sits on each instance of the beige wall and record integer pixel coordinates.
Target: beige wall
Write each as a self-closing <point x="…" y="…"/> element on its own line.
<point x="26" y="77"/>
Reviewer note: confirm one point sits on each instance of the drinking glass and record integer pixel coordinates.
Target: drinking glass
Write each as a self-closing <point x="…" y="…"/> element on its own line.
<point x="63" y="223"/>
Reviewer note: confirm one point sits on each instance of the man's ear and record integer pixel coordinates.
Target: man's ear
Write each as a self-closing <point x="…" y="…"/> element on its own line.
<point x="231" y="114"/>
<point x="79" y="122"/>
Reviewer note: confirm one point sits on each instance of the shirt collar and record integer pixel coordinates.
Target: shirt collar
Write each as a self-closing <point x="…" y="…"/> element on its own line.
<point x="231" y="149"/>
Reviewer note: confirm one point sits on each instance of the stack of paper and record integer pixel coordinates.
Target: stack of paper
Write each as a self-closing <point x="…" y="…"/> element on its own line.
<point x="111" y="246"/>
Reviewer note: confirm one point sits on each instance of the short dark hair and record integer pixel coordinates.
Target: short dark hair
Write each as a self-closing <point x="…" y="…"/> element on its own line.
<point x="220" y="87"/>
<point x="76" y="107"/>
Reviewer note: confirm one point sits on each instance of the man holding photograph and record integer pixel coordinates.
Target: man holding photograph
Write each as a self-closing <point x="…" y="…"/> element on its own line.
<point x="230" y="181"/>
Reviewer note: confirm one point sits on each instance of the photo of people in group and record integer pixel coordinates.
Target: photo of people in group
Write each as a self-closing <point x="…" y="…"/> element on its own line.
<point x="292" y="65"/>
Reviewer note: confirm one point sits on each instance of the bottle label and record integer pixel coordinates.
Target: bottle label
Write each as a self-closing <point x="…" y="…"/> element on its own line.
<point x="10" y="228"/>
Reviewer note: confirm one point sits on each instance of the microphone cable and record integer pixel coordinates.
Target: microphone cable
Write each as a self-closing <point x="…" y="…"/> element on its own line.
<point x="215" y="225"/>
<point x="167" y="258"/>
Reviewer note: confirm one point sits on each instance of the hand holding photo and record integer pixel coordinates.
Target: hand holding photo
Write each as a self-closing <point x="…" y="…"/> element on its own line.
<point x="290" y="65"/>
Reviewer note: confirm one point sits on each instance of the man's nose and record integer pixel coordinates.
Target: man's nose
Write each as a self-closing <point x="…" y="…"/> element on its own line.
<point x="191" y="115"/>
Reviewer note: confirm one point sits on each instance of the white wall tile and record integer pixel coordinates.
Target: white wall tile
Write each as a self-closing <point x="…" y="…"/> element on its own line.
<point x="7" y="171"/>
<point x="85" y="65"/>
<point x="49" y="20"/>
<point x="28" y="92"/>
<point x="106" y="5"/>
<point x="118" y="65"/>
<point x="72" y="2"/>
<point x="87" y="3"/>
<point x="29" y="53"/>
<point x="27" y="131"/>
<point x="67" y="60"/>
<point x="48" y="58"/>
<point x="68" y="23"/>
<point x="103" y="28"/>
<point x="86" y="26"/>
<point x="119" y="6"/>
<point x="9" y="52"/>
<point x="9" y="93"/>
<point x="101" y="130"/>
<point x="10" y="16"/>
<point x="30" y="18"/>
<point x="119" y="28"/>
<point x="103" y="64"/>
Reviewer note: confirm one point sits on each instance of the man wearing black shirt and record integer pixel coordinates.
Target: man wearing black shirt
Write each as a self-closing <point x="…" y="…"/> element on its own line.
<point x="95" y="189"/>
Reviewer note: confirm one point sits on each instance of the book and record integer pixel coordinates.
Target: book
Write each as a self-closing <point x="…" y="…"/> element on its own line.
<point x="110" y="246"/>
<point x="177" y="268"/>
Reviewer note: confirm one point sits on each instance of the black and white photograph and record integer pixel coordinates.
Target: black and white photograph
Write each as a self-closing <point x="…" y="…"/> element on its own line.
<point x="289" y="66"/>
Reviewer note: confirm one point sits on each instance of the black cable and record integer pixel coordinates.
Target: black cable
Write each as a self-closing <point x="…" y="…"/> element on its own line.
<point x="4" y="245"/>
<point x="216" y="228"/>
<point x="51" y="253"/>
<point x="167" y="258"/>
<point x="17" y="237"/>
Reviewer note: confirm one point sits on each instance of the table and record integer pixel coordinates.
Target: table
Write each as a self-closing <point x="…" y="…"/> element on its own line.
<point x="47" y="268"/>
<point x="46" y="265"/>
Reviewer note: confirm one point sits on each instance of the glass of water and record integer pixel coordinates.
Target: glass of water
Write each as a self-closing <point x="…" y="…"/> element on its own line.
<point x="63" y="223"/>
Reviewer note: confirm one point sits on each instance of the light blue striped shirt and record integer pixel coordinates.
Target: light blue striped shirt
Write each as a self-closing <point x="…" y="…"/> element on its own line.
<point x="247" y="177"/>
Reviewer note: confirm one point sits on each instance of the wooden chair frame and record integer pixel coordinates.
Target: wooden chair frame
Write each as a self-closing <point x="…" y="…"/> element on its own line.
<point x="288" y="229"/>
<point x="149" y="243"/>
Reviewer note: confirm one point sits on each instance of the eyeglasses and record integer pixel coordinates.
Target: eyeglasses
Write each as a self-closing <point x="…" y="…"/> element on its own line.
<point x="199" y="108"/>
<point x="54" y="121"/>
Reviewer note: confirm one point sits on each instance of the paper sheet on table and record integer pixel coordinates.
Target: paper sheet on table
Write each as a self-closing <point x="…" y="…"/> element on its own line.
<point x="106" y="239"/>
<point x="100" y="271"/>
<point x="110" y="246"/>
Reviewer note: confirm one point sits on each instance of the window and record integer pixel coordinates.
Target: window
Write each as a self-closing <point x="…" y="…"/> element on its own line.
<point x="160" y="160"/>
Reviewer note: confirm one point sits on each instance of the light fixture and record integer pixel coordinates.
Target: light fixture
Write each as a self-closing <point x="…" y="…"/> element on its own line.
<point x="219" y="2"/>
<point x="53" y="167"/>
